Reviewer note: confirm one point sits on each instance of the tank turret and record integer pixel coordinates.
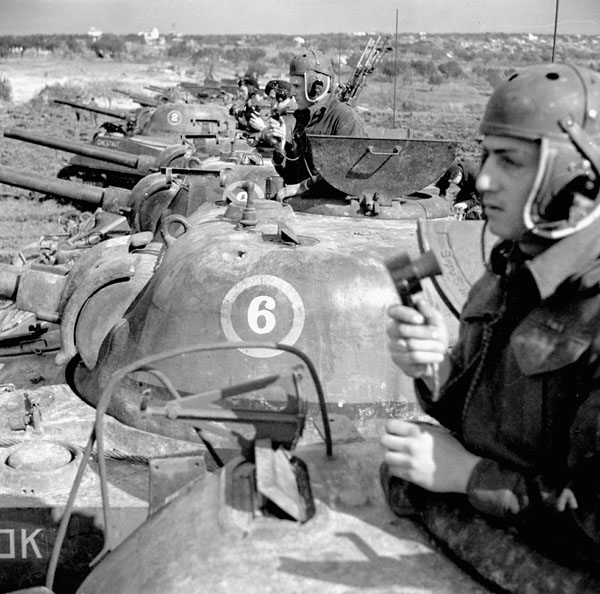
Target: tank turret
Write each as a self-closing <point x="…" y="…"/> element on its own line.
<point x="169" y="121"/>
<point x="123" y="161"/>
<point x="302" y="276"/>
<point x="188" y="119"/>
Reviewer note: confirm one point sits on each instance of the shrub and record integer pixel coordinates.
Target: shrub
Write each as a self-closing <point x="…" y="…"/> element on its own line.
<point x="258" y="68"/>
<point x="424" y="68"/>
<point x="493" y="76"/>
<point x="284" y="58"/>
<point x="109" y="46"/>
<point x="5" y="90"/>
<point x="451" y="69"/>
<point x="67" y="92"/>
<point x="435" y="78"/>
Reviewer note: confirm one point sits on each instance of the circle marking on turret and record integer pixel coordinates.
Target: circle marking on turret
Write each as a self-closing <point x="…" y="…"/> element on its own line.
<point x="174" y="117"/>
<point x="256" y="307"/>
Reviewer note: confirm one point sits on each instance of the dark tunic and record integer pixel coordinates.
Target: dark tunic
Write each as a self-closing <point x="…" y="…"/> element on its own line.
<point x="327" y="117"/>
<point x="524" y="389"/>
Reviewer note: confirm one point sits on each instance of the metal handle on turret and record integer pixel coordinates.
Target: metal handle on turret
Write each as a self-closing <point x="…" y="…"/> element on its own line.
<point x="395" y="151"/>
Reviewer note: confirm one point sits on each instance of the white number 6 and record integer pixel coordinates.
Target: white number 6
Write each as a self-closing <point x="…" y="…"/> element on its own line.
<point x="261" y="321"/>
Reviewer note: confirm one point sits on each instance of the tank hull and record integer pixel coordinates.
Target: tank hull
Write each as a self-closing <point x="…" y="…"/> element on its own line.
<point x="35" y="489"/>
<point x="203" y="543"/>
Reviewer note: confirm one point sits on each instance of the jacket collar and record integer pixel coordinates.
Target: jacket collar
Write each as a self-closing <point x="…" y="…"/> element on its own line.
<point x="574" y="257"/>
<point x="570" y="257"/>
<point x="306" y="115"/>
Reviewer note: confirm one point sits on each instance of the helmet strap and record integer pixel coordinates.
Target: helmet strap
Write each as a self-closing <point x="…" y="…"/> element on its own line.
<point x="535" y="194"/>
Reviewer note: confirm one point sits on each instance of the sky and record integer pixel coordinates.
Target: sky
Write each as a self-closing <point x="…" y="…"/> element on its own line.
<point x="297" y="17"/>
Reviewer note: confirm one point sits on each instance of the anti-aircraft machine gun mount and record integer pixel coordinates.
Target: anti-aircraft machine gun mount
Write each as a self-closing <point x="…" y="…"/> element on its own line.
<point x="372" y="55"/>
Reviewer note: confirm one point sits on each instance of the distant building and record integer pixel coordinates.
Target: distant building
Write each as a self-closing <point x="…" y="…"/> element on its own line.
<point x="150" y="37"/>
<point x="94" y="33"/>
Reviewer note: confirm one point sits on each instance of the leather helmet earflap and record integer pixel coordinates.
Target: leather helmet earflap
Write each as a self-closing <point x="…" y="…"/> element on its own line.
<point x="316" y="88"/>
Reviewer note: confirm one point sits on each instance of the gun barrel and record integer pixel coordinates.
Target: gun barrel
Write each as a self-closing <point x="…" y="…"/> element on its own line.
<point x="142" y="162"/>
<point x="143" y="101"/>
<point x="156" y="89"/>
<point x="110" y="199"/>
<point x="95" y="108"/>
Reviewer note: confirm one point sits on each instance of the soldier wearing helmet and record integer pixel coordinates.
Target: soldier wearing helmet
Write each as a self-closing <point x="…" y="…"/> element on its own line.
<point x="519" y="400"/>
<point x="319" y="111"/>
<point x="466" y="202"/>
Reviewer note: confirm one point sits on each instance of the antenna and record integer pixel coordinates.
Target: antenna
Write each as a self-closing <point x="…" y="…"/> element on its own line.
<point x="395" y="71"/>
<point x="340" y="57"/>
<point x="555" y="28"/>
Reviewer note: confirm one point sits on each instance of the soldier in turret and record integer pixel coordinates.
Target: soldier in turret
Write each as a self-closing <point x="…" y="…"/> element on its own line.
<point x="462" y="174"/>
<point x="519" y="403"/>
<point x="319" y="111"/>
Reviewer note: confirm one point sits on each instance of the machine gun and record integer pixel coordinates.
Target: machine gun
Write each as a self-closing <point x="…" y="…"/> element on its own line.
<point x="369" y="60"/>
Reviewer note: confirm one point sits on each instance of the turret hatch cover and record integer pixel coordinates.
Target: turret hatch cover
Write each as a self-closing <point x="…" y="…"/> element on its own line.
<point x="392" y="167"/>
<point x="458" y="248"/>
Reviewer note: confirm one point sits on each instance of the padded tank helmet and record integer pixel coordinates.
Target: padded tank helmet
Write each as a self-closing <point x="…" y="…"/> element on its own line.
<point x="317" y="69"/>
<point x="557" y="105"/>
<point x="280" y="88"/>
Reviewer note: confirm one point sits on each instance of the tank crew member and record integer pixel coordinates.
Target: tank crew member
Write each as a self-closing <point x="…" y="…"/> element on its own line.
<point x="463" y="174"/>
<point x="93" y="114"/>
<point x="278" y="89"/>
<point x="279" y="103"/>
<point x="519" y="404"/>
<point x="319" y="111"/>
<point x="279" y="92"/>
<point x="249" y="95"/>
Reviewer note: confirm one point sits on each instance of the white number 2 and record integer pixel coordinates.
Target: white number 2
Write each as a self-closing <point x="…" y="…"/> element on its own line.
<point x="260" y="317"/>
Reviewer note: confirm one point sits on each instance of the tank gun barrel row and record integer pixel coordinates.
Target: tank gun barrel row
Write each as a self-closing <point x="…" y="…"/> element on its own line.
<point x="145" y="163"/>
